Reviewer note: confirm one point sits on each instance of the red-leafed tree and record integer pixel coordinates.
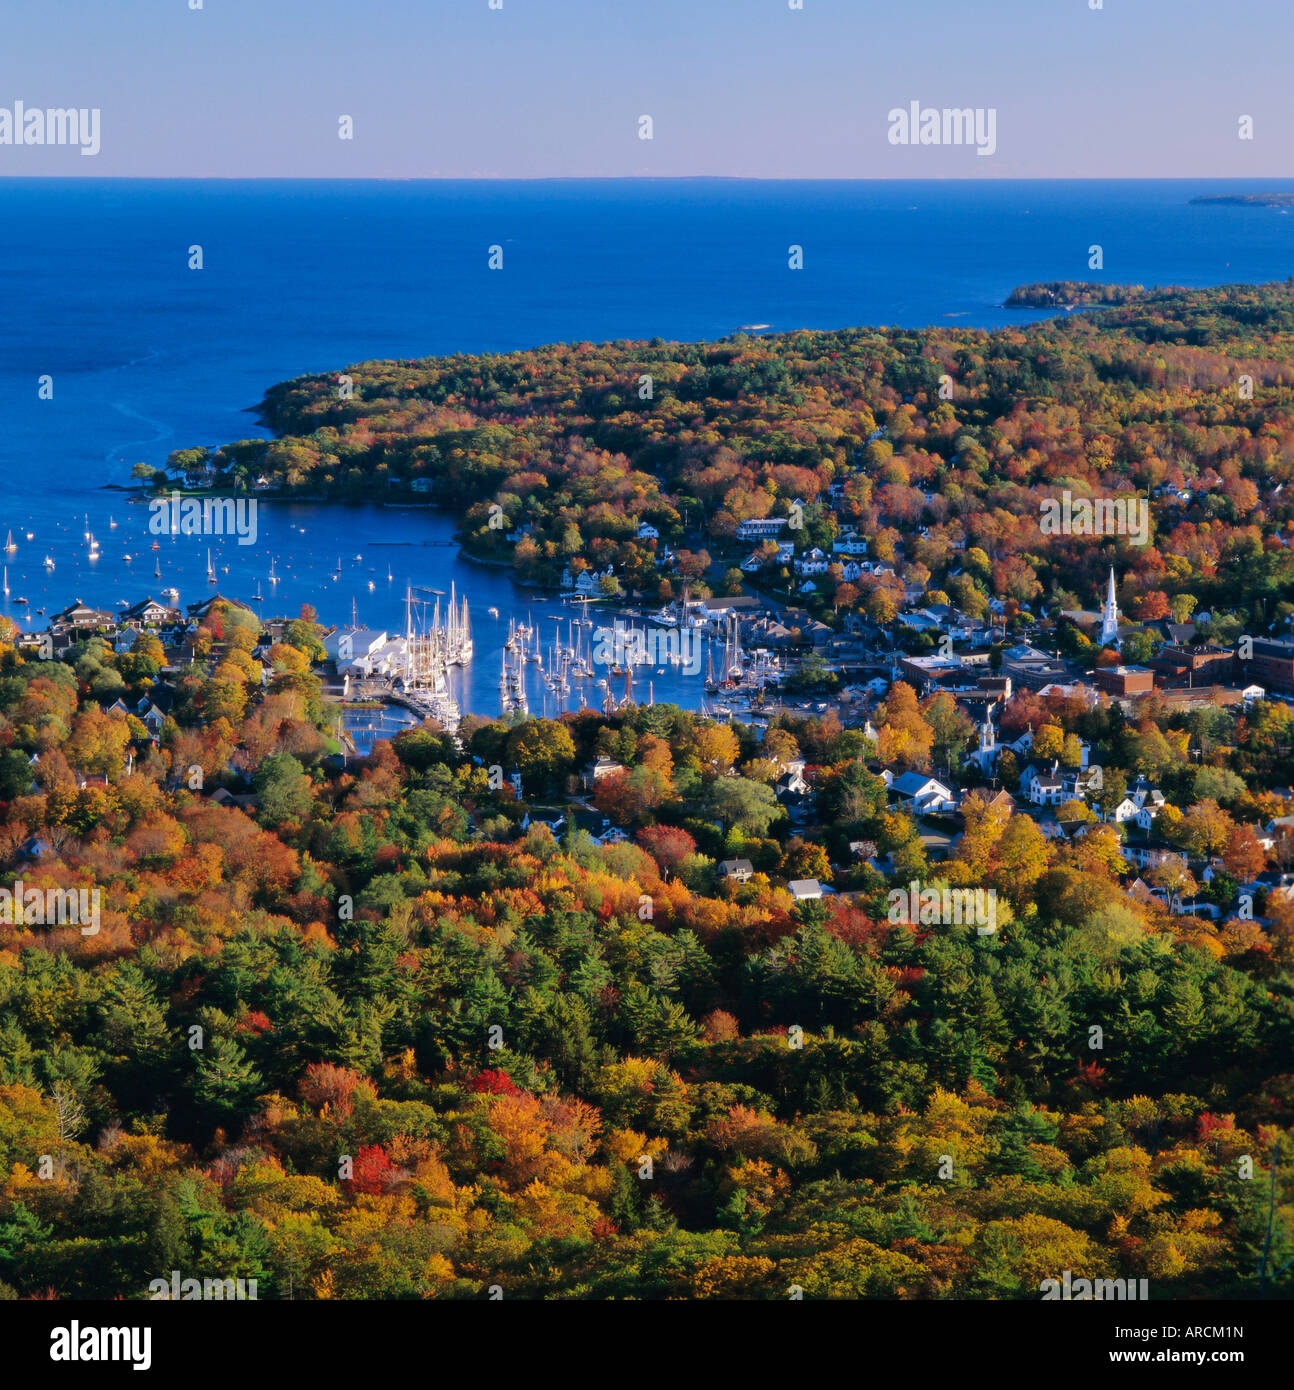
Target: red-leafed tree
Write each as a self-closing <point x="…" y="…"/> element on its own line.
<point x="667" y="844"/>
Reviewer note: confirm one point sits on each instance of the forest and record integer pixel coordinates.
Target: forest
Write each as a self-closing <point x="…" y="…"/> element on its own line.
<point x="370" y="1031"/>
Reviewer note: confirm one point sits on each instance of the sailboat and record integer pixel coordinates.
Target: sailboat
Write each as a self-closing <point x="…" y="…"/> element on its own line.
<point x="157" y="569"/>
<point x="389" y="575"/>
<point x="48" y="562"/>
<point x="112" y="525"/>
<point x="211" y="573"/>
<point x="10" y="545"/>
<point x="6" y="581"/>
<point x="274" y="579"/>
<point x="258" y="597"/>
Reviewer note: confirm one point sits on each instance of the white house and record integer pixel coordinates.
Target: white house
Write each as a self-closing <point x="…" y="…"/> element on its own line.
<point x="1046" y="788"/>
<point x="761" y="528"/>
<point x="922" y="793"/>
<point x="352" y="648"/>
<point x="849" y="545"/>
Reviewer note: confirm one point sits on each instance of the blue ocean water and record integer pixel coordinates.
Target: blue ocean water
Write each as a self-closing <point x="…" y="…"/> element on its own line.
<point x="147" y="355"/>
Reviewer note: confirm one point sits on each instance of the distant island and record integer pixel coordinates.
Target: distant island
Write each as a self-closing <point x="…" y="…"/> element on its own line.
<point x="1249" y="200"/>
<point x="1055" y="294"/>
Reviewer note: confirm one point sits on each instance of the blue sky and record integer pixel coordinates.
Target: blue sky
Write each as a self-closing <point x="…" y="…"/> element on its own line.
<point x="738" y="88"/>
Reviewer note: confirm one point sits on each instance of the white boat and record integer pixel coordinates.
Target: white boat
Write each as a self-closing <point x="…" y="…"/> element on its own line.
<point x="6" y="581"/>
<point x="493" y="612"/>
<point x="10" y="545"/>
<point x="211" y="573"/>
<point x="172" y="594"/>
<point x="258" y="597"/>
<point x="274" y="579"/>
<point x="48" y="562"/>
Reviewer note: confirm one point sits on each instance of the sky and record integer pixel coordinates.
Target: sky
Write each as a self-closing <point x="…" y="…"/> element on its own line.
<point x="734" y="88"/>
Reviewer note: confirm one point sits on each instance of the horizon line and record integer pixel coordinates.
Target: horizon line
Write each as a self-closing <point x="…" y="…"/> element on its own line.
<point x="640" y="178"/>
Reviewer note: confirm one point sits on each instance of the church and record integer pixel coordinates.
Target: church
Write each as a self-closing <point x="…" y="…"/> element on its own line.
<point x="1110" y="616"/>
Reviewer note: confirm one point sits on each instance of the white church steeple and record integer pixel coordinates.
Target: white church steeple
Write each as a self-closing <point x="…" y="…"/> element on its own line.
<point x="1110" y="616"/>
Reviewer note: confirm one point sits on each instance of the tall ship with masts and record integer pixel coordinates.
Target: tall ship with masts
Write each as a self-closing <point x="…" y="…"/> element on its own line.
<point x="425" y="686"/>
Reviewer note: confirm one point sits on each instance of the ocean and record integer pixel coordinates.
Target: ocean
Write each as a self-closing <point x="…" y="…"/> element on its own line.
<point x="147" y="355"/>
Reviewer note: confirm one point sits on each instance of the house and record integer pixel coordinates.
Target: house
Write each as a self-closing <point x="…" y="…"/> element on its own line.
<point x="1149" y="854"/>
<point x="80" y="617"/>
<point x="761" y="528"/>
<point x="736" y="870"/>
<point x="198" y="611"/>
<point x="921" y="793"/>
<point x="154" y="707"/>
<point x="351" y="649"/>
<point x="792" y="783"/>
<point x="598" y="769"/>
<point x="1149" y="802"/>
<point x="807" y="889"/>
<point x="849" y="544"/>
<point x="149" y="613"/>
<point x="1045" y="788"/>
<point x="422" y="484"/>
<point x="648" y="533"/>
<point x="583" y="583"/>
<point x="1078" y="785"/>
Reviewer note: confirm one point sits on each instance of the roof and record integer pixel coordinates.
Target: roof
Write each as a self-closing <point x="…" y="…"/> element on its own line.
<point x="912" y="782"/>
<point x="736" y="866"/>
